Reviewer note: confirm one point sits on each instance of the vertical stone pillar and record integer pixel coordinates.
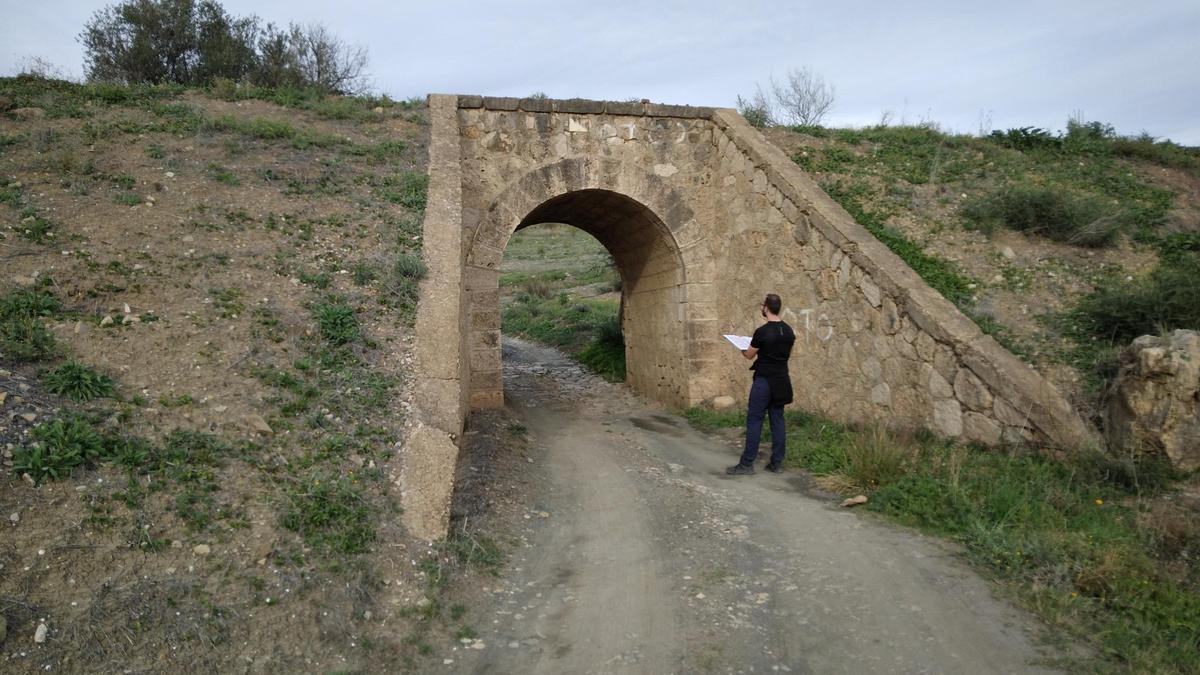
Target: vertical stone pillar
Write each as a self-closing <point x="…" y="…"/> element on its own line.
<point x="431" y="450"/>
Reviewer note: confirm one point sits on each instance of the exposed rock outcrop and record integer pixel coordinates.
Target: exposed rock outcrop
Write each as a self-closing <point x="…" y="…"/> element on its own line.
<point x="1154" y="404"/>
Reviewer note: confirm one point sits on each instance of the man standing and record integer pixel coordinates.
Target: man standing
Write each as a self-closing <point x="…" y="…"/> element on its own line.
<point x="772" y="387"/>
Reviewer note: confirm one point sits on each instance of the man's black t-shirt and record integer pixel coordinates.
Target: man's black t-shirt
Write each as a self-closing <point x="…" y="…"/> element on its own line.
<point x="774" y="340"/>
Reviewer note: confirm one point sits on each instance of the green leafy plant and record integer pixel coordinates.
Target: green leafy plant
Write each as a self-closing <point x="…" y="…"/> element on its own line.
<point x="337" y="321"/>
<point x="23" y="334"/>
<point x="58" y="448"/>
<point x="78" y="382"/>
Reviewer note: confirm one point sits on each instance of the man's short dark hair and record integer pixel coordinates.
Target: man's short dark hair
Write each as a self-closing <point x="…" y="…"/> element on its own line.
<point x="773" y="303"/>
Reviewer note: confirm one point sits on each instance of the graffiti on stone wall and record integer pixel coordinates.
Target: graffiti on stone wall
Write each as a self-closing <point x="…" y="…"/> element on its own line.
<point x="812" y="324"/>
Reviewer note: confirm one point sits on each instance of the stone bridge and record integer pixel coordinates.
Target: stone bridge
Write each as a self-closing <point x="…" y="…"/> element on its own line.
<point x="703" y="217"/>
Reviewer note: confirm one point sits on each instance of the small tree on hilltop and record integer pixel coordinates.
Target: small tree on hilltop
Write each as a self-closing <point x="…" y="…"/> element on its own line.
<point x="327" y="62"/>
<point x="757" y="109"/>
<point x="804" y="97"/>
<point x="194" y="43"/>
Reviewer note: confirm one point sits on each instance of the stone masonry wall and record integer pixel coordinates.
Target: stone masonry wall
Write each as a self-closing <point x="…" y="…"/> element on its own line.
<point x="641" y="184"/>
<point x="874" y="341"/>
<point x="703" y="217"/>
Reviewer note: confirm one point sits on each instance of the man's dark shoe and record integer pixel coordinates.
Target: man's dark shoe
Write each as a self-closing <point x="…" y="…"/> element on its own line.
<point x="775" y="468"/>
<point x="740" y="469"/>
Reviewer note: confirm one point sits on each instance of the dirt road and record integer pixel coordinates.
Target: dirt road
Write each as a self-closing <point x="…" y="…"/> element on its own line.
<point x="637" y="554"/>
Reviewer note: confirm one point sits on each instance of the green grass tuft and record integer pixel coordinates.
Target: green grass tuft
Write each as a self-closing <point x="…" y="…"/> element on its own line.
<point x="23" y="334"/>
<point x="58" y="448"/>
<point x="337" y="321"/>
<point x="331" y="514"/>
<point x="79" y="382"/>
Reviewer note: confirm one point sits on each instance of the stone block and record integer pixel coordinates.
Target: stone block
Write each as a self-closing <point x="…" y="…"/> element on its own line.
<point x="926" y="346"/>
<point x="972" y="392"/>
<point x="470" y="102"/>
<point x="541" y="105"/>
<point x="801" y="231"/>
<point x="723" y="403"/>
<point x="1155" y="400"/>
<point x="890" y="316"/>
<point x="881" y="394"/>
<point x="427" y="482"/>
<point x="981" y="429"/>
<point x="947" y="417"/>
<point x="501" y="103"/>
<point x="578" y="106"/>
<point x="870" y="291"/>
<point x="871" y="369"/>
<point x="939" y="388"/>
<point x="486" y="319"/>
<point x="634" y="108"/>
<point x="1009" y="414"/>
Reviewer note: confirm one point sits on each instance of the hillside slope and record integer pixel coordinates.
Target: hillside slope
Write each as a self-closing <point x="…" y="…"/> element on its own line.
<point x="916" y="188"/>
<point x="228" y="284"/>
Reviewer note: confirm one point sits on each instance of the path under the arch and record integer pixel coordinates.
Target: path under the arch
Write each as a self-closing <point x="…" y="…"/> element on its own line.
<point x="637" y="554"/>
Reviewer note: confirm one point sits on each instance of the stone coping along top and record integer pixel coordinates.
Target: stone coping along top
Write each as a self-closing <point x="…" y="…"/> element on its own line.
<point x="581" y="106"/>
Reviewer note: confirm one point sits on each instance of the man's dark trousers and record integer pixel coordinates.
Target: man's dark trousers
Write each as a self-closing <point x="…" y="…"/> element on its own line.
<point x="759" y="407"/>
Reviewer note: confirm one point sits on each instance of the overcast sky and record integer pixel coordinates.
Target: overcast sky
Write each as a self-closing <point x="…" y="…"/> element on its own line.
<point x="963" y="64"/>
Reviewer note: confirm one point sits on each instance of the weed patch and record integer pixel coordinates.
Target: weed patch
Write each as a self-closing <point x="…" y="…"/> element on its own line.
<point x="58" y="448"/>
<point x="330" y="513"/>
<point x="23" y="333"/>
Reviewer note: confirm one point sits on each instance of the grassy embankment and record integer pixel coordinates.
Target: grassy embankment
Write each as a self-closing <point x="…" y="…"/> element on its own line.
<point x="1087" y="188"/>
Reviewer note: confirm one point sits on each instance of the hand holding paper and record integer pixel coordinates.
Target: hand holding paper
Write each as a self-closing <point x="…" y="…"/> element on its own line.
<point x="742" y="342"/>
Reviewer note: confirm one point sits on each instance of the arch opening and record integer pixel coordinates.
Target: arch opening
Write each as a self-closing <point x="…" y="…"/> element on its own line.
<point x="651" y="315"/>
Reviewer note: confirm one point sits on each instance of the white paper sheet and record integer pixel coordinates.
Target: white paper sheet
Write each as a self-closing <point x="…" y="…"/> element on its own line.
<point x="742" y="342"/>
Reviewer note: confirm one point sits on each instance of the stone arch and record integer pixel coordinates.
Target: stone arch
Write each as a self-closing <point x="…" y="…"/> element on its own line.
<point x="642" y="222"/>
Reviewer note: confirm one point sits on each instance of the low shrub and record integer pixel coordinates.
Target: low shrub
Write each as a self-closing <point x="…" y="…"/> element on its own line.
<point x="1056" y="214"/>
<point x="410" y="266"/>
<point x="1166" y="299"/>
<point x="58" y="448"/>
<point x="876" y="457"/>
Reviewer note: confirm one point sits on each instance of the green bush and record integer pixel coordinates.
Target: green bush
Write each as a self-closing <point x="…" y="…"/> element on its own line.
<point x="78" y="382"/>
<point x="1166" y="299"/>
<point x="1056" y="214"/>
<point x="1026" y="138"/>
